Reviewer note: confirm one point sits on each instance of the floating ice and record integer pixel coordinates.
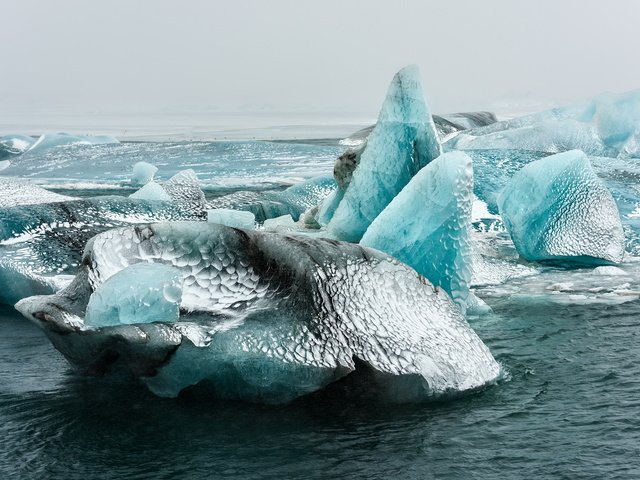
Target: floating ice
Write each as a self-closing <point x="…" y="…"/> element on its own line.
<point x="427" y="226"/>
<point x="140" y="293"/>
<point x="143" y="173"/>
<point x="12" y="145"/>
<point x="609" y="125"/>
<point x="279" y="224"/>
<point x="184" y="189"/>
<point x="151" y="191"/>
<point x="269" y="317"/>
<point x="403" y="141"/>
<point x="293" y="201"/>
<point x="557" y="209"/>
<point x="232" y="218"/>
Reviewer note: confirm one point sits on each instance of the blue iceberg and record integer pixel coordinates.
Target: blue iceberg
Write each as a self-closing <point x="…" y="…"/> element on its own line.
<point x="428" y="225"/>
<point x="403" y="141"/>
<point x="152" y="192"/>
<point x="140" y="293"/>
<point x="52" y="140"/>
<point x="557" y="209"/>
<point x="268" y="317"/>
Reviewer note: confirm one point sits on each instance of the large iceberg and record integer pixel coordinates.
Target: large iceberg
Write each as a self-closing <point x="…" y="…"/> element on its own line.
<point x="268" y="317"/>
<point x="427" y="226"/>
<point x="557" y="209"/>
<point x="403" y="141"/>
<point x="51" y="140"/>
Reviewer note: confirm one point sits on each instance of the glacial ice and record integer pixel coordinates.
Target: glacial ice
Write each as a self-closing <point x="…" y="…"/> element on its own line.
<point x="293" y="201"/>
<point x="12" y="145"/>
<point x="609" y="125"/>
<point x="152" y="192"/>
<point x="139" y="293"/>
<point x="427" y="226"/>
<point x="403" y="141"/>
<point x="557" y="209"/>
<point x="268" y="317"/>
<point x="232" y="218"/>
<point x="184" y="189"/>
<point x="143" y="173"/>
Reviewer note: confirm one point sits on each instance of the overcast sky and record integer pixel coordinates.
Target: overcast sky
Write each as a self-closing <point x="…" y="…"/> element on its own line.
<point x="302" y="55"/>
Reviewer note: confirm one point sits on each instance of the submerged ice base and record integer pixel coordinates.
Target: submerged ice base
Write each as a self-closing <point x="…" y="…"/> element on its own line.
<point x="268" y="317"/>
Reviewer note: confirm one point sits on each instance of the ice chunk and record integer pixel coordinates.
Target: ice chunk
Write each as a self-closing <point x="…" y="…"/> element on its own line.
<point x="140" y="293"/>
<point x="12" y="145"/>
<point x="232" y="218"/>
<point x="279" y="224"/>
<point x="269" y="317"/>
<point x="557" y="209"/>
<point x="152" y="191"/>
<point x="143" y="173"/>
<point x="427" y="226"/>
<point x="293" y="201"/>
<point x="403" y="141"/>
<point x="610" y="271"/>
<point x="184" y="189"/>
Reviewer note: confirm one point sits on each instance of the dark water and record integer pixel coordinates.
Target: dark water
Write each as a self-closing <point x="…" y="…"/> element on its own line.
<point x="571" y="409"/>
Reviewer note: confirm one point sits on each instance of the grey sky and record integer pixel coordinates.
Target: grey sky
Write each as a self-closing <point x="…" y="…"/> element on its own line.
<point x="302" y="55"/>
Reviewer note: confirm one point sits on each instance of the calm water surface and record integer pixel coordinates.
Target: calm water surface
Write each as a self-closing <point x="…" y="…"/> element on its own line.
<point x="570" y="409"/>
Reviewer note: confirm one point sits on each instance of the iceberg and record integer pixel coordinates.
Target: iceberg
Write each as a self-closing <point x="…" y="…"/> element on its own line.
<point x="232" y="218"/>
<point x="403" y="141"/>
<point x="143" y="173"/>
<point x="557" y="209"/>
<point x="268" y="317"/>
<point x="12" y="145"/>
<point x="139" y="293"/>
<point x="609" y="126"/>
<point x="428" y="225"/>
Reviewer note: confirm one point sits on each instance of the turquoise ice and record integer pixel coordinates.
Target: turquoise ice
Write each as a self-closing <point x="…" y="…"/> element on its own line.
<point x="140" y="293"/>
<point x="151" y="191"/>
<point x="557" y="209"/>
<point x="403" y="141"/>
<point x="427" y="226"/>
<point x="143" y="173"/>
<point x="231" y="218"/>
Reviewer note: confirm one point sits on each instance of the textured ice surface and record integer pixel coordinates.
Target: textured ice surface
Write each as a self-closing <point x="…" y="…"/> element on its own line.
<point x="557" y="209"/>
<point x="279" y="224"/>
<point x="292" y="201"/>
<point x="14" y="192"/>
<point x="269" y="317"/>
<point x="232" y="218"/>
<point x="140" y="293"/>
<point x="403" y="141"/>
<point x="427" y="226"/>
<point x="609" y="125"/>
<point x="152" y="191"/>
<point x="184" y="189"/>
<point x="143" y="173"/>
